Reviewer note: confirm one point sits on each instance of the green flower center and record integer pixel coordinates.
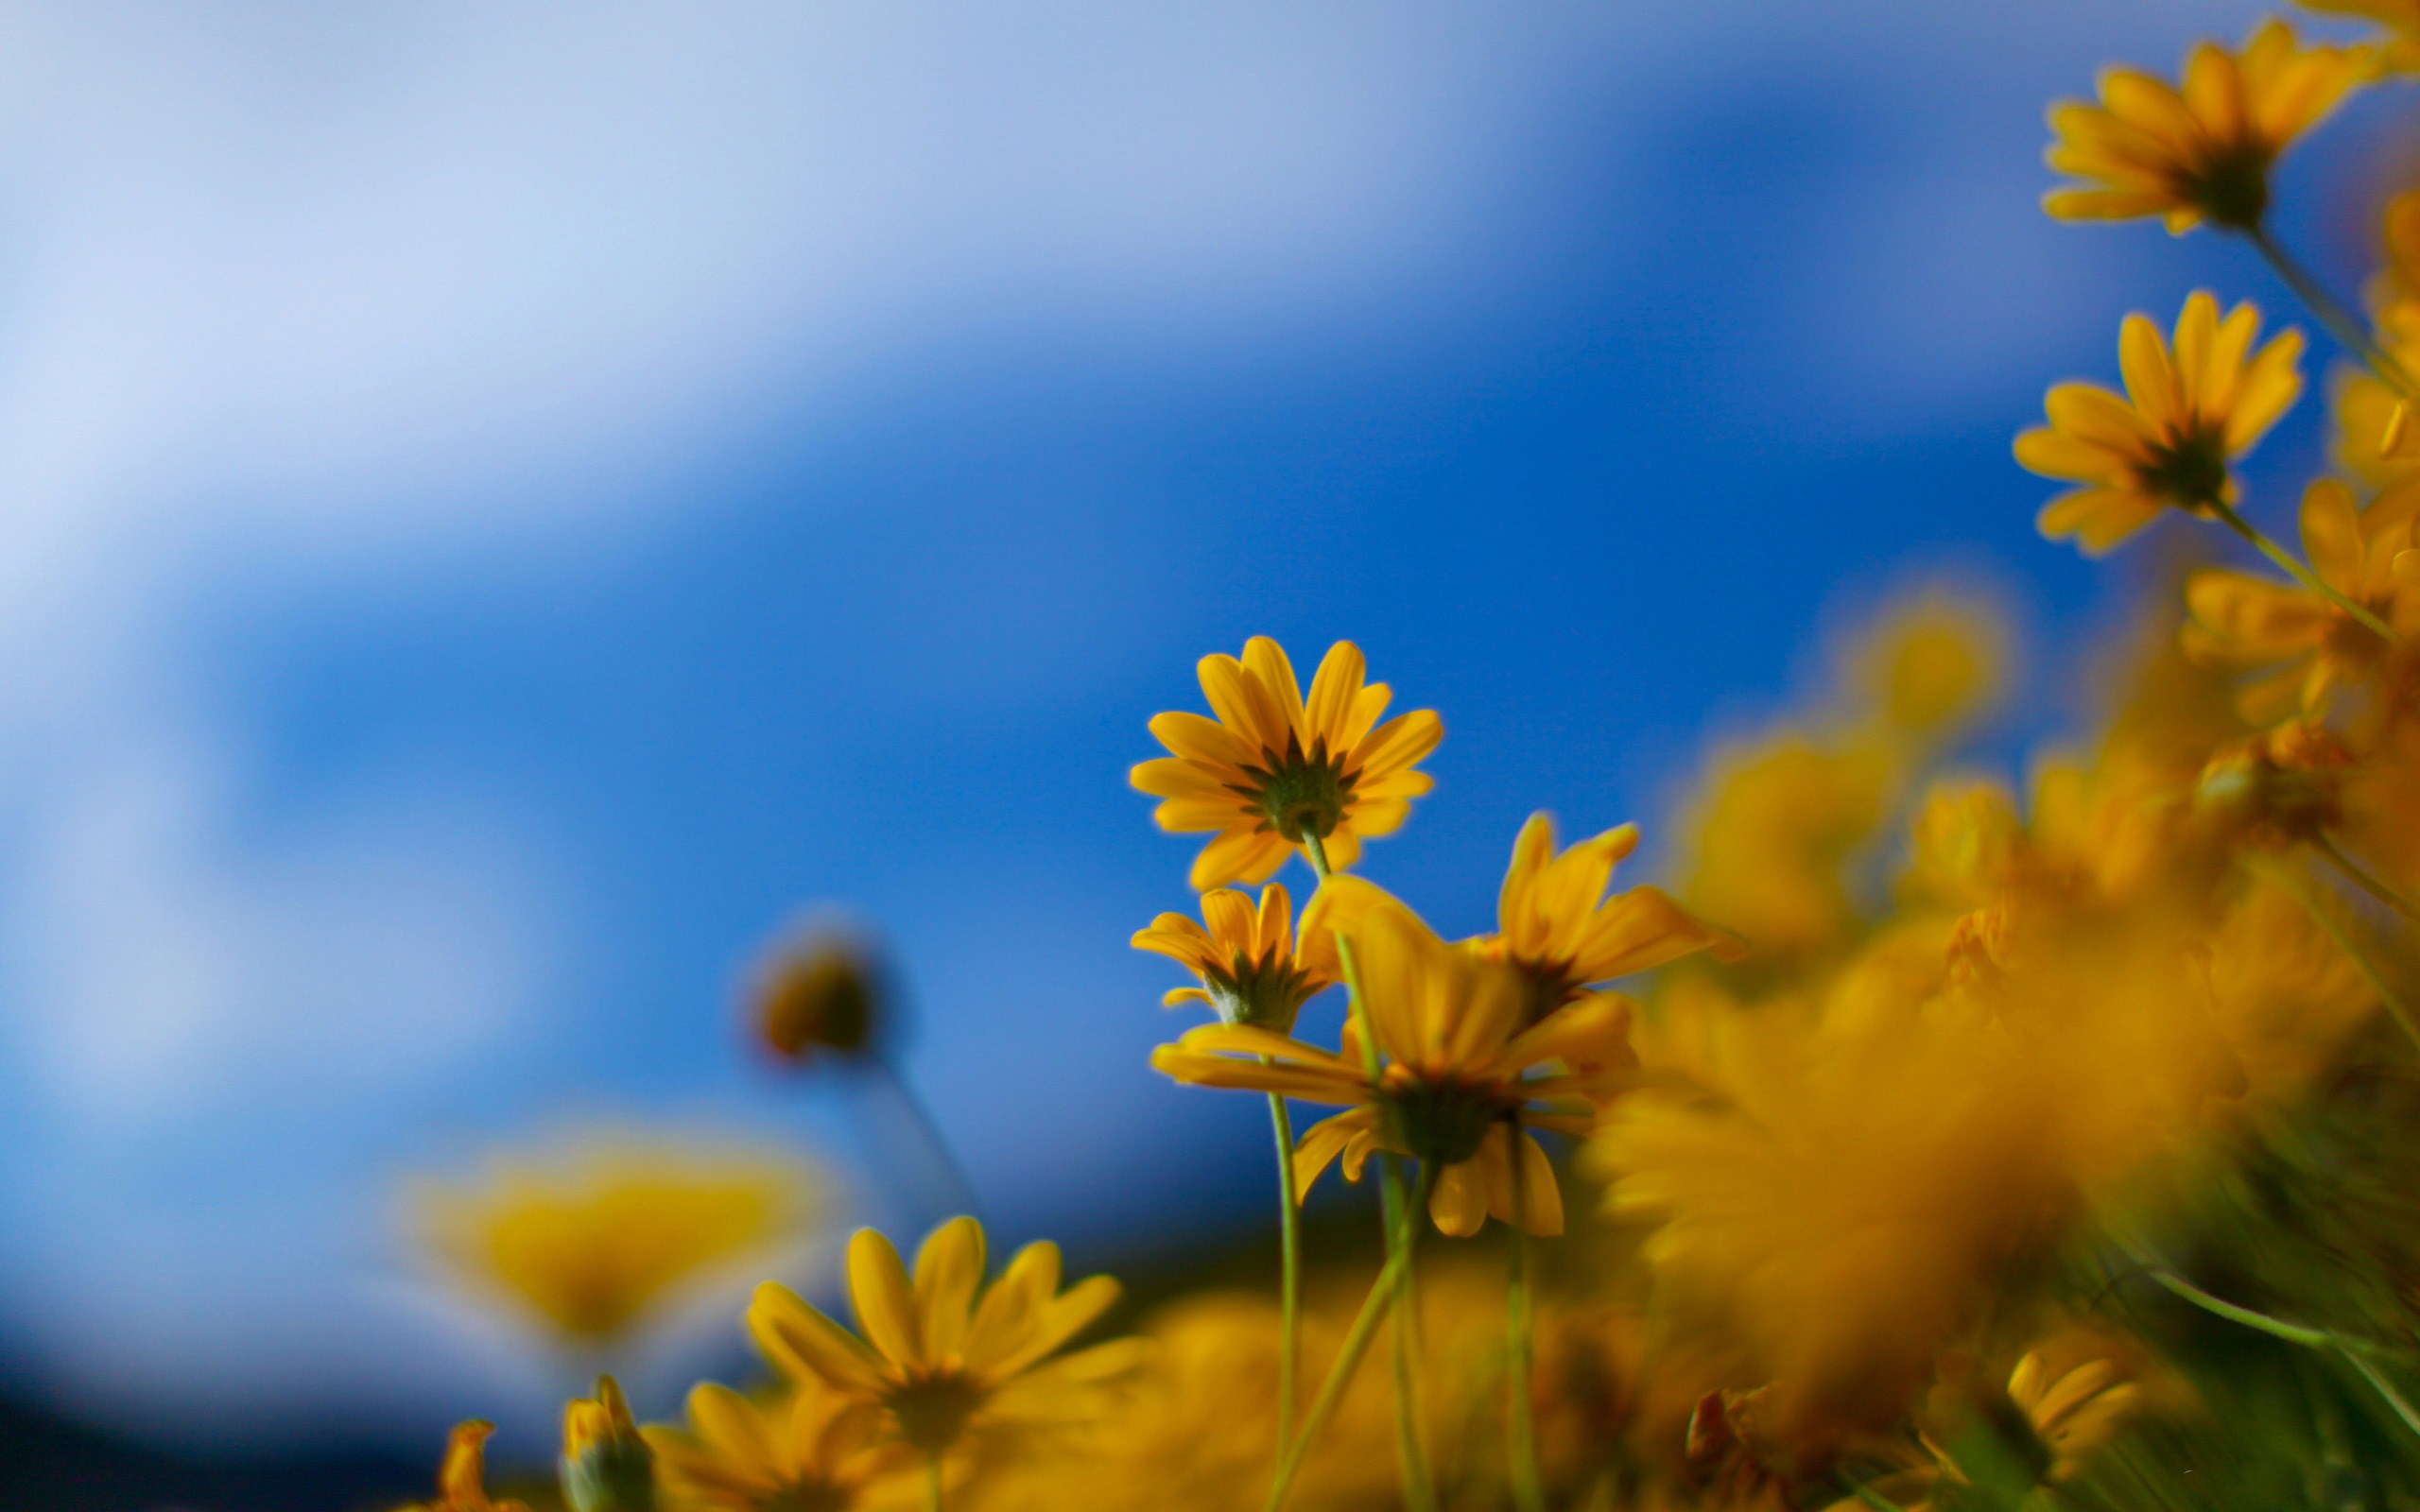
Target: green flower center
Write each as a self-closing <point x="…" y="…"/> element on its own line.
<point x="2190" y="472"/>
<point x="1300" y="794"/>
<point x="1442" y="1121"/>
<point x="1266" y="995"/>
<point x="932" y="1411"/>
<point x="2233" y="187"/>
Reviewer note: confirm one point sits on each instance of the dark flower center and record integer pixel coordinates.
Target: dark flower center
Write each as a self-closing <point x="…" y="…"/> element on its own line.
<point x="814" y="1495"/>
<point x="2232" y="187"/>
<point x="2191" y="471"/>
<point x="932" y="1411"/>
<point x="1443" y="1120"/>
<point x="1300" y="794"/>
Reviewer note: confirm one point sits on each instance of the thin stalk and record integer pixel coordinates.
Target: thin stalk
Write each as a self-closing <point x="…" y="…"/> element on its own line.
<point x="1528" y="1484"/>
<point x="1399" y="1220"/>
<point x="2402" y="1012"/>
<point x="1873" y="1498"/>
<point x="2384" y="1388"/>
<point x="2350" y="331"/>
<point x="915" y="1136"/>
<point x="2310" y="1338"/>
<point x="2361" y="876"/>
<point x="1375" y="1307"/>
<point x="933" y="1483"/>
<point x="2226" y="515"/>
<point x="1314" y="849"/>
<point x="1290" y="1246"/>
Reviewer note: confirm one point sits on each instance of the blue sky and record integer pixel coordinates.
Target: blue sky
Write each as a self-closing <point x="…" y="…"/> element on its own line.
<point x="508" y="513"/>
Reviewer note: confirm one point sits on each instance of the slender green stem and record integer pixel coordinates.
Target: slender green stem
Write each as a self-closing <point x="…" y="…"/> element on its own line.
<point x="2402" y="1011"/>
<point x="1374" y="1307"/>
<point x="2350" y="331"/>
<point x="1873" y="1498"/>
<point x="2384" y="1388"/>
<point x="916" y="1140"/>
<point x="1290" y="1299"/>
<point x="1315" y="849"/>
<point x="2361" y="876"/>
<point x="2310" y="1338"/>
<point x="1528" y="1484"/>
<point x="933" y="1483"/>
<point x="2226" y="515"/>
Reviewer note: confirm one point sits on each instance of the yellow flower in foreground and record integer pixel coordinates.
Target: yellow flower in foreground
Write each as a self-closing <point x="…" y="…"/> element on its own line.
<point x="808" y="1449"/>
<point x="461" y="1480"/>
<point x="939" y="1362"/>
<point x="1557" y="929"/>
<point x="1247" y="962"/>
<point x="2202" y="151"/>
<point x="2400" y="50"/>
<point x="1455" y="1087"/>
<point x="2314" y="646"/>
<point x="2187" y="414"/>
<point x="2073" y="1412"/>
<point x="1272" y="771"/>
<point x="595" y="1244"/>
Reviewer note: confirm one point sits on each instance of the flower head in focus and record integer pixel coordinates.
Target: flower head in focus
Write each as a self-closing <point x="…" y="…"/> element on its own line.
<point x="2187" y="413"/>
<point x="943" y="1356"/>
<point x="597" y="1244"/>
<point x="1557" y="929"/>
<point x="2307" y="645"/>
<point x="461" y="1479"/>
<point x="1274" y="771"/>
<point x="607" y="1466"/>
<point x="803" y="1449"/>
<point x="1250" y="967"/>
<point x="1454" y="1089"/>
<point x="2200" y="151"/>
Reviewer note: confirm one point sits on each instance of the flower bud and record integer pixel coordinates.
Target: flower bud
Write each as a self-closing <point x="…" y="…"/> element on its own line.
<point x="606" y="1465"/>
<point x="821" y="993"/>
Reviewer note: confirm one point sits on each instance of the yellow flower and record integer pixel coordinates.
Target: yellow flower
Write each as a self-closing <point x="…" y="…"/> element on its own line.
<point x="2187" y="414"/>
<point x="2400" y="50"/>
<point x="598" y="1242"/>
<point x="1772" y="836"/>
<point x="2311" y="647"/>
<point x="1557" y="928"/>
<point x="1932" y="663"/>
<point x="1454" y="1089"/>
<point x="807" y="1449"/>
<point x="2201" y="151"/>
<point x="937" y="1361"/>
<point x="461" y="1479"/>
<point x="607" y="1466"/>
<point x="1250" y="969"/>
<point x="1272" y="771"/>
<point x="2073" y="1412"/>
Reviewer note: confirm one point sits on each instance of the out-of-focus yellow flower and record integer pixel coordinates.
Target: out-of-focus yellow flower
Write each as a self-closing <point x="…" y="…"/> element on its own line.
<point x="1455" y="1087"/>
<point x="2201" y="151"/>
<point x="1557" y="929"/>
<point x="821" y="994"/>
<point x="1247" y="962"/>
<point x="1272" y="771"/>
<point x="596" y="1242"/>
<point x="1772" y="836"/>
<point x="805" y="1448"/>
<point x="2308" y="644"/>
<point x="1932" y="663"/>
<point x="939" y="1361"/>
<point x="2073" y="1412"/>
<point x="461" y="1479"/>
<point x="2400" y="49"/>
<point x="607" y="1466"/>
<point x="2187" y="415"/>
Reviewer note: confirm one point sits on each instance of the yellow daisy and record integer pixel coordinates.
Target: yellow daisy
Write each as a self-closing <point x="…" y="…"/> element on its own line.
<point x="2400" y="49"/>
<point x="936" y="1359"/>
<point x="2311" y="645"/>
<point x="2189" y="412"/>
<point x="1556" y="926"/>
<point x="2200" y="151"/>
<point x="2073" y="1412"/>
<point x="1464" y="1074"/>
<point x="1272" y="772"/>
<point x="1250" y="969"/>
<point x="461" y="1479"/>
<point x="806" y="1449"/>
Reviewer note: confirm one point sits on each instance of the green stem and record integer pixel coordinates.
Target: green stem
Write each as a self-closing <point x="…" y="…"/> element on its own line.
<point x="1315" y="850"/>
<point x="2310" y="1338"/>
<point x="1528" y="1482"/>
<point x="2384" y="1388"/>
<point x="1375" y="1307"/>
<point x="2400" y="1010"/>
<point x="1290" y="1244"/>
<point x="932" y="1482"/>
<point x="1873" y="1498"/>
<point x="2350" y="331"/>
<point x="2361" y="876"/>
<point x="2227" y="516"/>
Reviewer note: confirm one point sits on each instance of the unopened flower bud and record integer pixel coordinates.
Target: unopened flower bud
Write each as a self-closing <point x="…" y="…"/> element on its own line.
<point x="606" y="1465"/>
<point x="823" y="993"/>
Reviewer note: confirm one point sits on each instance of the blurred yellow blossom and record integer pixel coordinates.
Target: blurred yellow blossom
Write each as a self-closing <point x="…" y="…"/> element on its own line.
<point x="805" y="1448"/>
<point x="461" y="1480"/>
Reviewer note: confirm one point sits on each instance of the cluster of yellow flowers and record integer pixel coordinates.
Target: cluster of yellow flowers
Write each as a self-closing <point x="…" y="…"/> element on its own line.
<point x="1953" y="1147"/>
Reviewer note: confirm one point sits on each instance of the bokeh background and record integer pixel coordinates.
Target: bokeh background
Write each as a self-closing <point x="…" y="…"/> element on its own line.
<point x="502" y="505"/>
